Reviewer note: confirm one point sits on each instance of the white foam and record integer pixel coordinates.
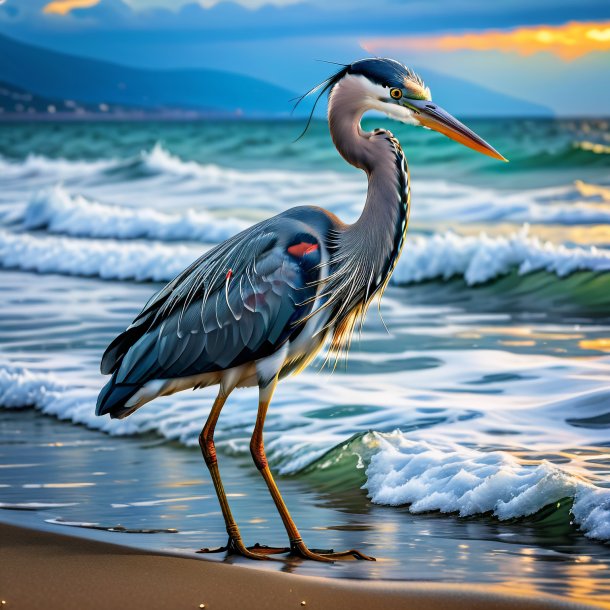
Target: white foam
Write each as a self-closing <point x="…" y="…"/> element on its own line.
<point x="572" y="204"/>
<point x="105" y="259"/>
<point x="161" y="180"/>
<point x="425" y="473"/>
<point x="452" y="478"/>
<point x="38" y="165"/>
<point x="167" y="179"/>
<point x="162" y="162"/>
<point x="58" y="212"/>
<point x="21" y="387"/>
<point x="477" y="259"/>
<point x="481" y="258"/>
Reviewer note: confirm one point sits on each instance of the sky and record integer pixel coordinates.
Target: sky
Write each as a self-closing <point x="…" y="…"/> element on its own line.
<point x="552" y="53"/>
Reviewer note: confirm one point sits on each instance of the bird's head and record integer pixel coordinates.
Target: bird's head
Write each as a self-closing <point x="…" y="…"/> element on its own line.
<point x="388" y="86"/>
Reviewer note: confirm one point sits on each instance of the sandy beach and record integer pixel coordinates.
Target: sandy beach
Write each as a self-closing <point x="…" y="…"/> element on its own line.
<point x="52" y="571"/>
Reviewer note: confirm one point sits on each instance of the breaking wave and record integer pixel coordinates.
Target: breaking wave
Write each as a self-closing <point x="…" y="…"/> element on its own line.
<point x="451" y="478"/>
<point x="38" y="165"/>
<point x="207" y="185"/>
<point x="57" y="212"/>
<point x="394" y="470"/>
<point x="105" y="259"/>
<point x="480" y="259"/>
<point x="475" y="259"/>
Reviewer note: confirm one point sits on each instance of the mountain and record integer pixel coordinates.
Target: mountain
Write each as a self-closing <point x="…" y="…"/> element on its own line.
<point x="15" y="102"/>
<point x="57" y="75"/>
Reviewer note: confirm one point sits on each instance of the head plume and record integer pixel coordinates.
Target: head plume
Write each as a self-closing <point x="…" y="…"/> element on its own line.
<point x="379" y="70"/>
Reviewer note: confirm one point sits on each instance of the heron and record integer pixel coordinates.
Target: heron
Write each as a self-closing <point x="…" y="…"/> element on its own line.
<point x="263" y="304"/>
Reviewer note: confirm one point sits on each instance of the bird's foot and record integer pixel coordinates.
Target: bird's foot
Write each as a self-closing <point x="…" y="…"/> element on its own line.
<point x="235" y="546"/>
<point x="268" y="550"/>
<point x="299" y="549"/>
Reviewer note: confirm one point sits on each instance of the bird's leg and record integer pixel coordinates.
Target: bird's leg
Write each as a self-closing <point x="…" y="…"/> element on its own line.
<point x="206" y="442"/>
<point x="257" y="448"/>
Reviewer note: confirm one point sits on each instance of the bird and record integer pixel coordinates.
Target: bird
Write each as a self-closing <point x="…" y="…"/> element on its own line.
<point x="263" y="304"/>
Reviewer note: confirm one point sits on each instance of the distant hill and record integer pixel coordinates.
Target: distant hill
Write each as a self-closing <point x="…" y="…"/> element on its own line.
<point x="16" y="102"/>
<point x="60" y="76"/>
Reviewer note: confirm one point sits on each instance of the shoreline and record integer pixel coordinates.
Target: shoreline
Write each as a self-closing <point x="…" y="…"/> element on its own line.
<point x="50" y="570"/>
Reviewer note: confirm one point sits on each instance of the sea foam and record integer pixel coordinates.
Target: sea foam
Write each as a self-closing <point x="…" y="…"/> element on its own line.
<point x="476" y="259"/>
<point x="106" y="259"/>
<point x="56" y="211"/>
<point x="451" y="478"/>
<point x="166" y="178"/>
<point x="39" y="165"/>
<point x="481" y="258"/>
<point x="424" y="475"/>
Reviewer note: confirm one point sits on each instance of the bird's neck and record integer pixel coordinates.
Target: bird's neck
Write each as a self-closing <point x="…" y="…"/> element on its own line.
<point x="363" y="254"/>
<point x="381" y="227"/>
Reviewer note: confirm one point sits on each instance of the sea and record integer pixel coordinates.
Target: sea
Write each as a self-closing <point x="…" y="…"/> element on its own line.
<point x="465" y="439"/>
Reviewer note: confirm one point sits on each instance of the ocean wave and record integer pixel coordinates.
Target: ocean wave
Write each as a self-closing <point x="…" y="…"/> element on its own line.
<point x="475" y="259"/>
<point x="394" y="470"/>
<point x="575" y="153"/>
<point x="205" y="186"/>
<point x="452" y="478"/>
<point x="456" y="479"/>
<point x="105" y="259"/>
<point x="480" y="259"/>
<point x="21" y="387"/>
<point x="594" y="147"/>
<point x="57" y="211"/>
<point x="158" y="161"/>
<point x="38" y="165"/>
<point x="579" y="203"/>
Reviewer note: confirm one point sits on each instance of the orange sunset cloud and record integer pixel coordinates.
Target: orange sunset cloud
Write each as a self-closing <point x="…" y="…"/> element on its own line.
<point x="568" y="42"/>
<point x="63" y="7"/>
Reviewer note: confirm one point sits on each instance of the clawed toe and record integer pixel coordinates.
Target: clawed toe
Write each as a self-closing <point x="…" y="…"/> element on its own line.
<point x="235" y="546"/>
<point x="299" y="549"/>
<point x="263" y="549"/>
<point x="220" y="549"/>
<point x="352" y="553"/>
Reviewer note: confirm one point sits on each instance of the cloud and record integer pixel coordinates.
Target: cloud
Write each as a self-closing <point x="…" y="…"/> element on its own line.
<point x="63" y="7"/>
<point x="177" y="4"/>
<point x="568" y="42"/>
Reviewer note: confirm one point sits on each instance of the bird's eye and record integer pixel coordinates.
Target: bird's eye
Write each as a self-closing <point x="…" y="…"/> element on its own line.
<point x="395" y="93"/>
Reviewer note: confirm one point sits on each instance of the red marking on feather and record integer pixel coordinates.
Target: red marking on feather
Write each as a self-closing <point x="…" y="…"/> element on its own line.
<point x="302" y="249"/>
<point x="229" y="274"/>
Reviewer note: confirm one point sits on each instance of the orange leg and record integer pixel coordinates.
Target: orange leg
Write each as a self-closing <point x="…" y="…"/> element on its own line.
<point x="257" y="448"/>
<point x="206" y="442"/>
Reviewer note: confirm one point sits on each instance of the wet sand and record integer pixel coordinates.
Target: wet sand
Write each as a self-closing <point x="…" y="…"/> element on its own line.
<point x="46" y="570"/>
<point x="154" y="497"/>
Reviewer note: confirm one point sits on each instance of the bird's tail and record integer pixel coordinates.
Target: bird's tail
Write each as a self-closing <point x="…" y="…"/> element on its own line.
<point x="113" y="397"/>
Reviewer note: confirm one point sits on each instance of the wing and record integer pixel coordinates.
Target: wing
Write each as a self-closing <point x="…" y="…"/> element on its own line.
<point x="239" y="302"/>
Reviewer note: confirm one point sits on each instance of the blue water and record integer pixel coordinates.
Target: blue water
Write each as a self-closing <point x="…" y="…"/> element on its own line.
<point x="483" y="412"/>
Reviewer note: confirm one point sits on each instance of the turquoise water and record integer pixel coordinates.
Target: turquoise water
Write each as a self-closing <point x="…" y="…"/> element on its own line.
<point x="474" y="432"/>
<point x="541" y="152"/>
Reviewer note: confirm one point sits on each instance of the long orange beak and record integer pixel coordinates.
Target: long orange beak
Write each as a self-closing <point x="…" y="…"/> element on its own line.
<point x="433" y="116"/>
